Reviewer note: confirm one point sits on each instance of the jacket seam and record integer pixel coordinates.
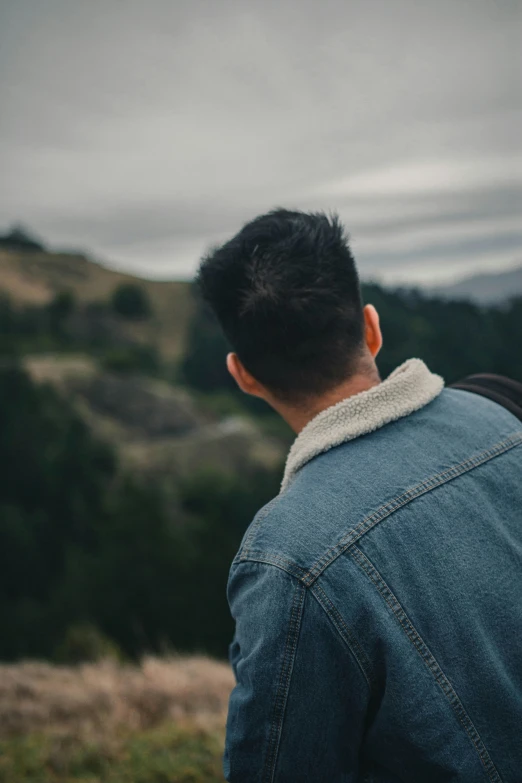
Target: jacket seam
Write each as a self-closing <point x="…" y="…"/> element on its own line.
<point x="346" y="635"/>
<point x="283" y="686"/>
<point x="429" y="660"/>
<point x="243" y="554"/>
<point x="272" y="558"/>
<point x="310" y="575"/>
<point x="400" y="501"/>
<point x="326" y="604"/>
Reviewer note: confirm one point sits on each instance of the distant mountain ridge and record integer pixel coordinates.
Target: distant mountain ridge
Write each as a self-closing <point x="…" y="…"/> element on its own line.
<point x="486" y="288"/>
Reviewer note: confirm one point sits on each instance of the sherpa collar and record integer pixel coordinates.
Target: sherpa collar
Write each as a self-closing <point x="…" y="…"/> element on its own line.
<point x="407" y="389"/>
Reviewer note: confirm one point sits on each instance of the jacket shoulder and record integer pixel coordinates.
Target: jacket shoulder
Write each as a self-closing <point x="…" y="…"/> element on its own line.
<point x="336" y="491"/>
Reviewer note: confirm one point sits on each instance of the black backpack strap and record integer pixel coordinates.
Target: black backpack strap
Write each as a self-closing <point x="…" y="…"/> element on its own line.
<point x="504" y="391"/>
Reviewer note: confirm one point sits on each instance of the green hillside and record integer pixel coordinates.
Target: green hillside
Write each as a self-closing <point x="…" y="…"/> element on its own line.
<point x="35" y="278"/>
<point x="133" y="464"/>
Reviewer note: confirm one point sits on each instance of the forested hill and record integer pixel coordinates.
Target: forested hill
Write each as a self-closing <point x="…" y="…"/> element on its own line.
<point x="36" y="276"/>
<point x="131" y="465"/>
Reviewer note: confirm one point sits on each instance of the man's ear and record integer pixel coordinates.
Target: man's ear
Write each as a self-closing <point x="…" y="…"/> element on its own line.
<point x="246" y="382"/>
<point x="372" y="332"/>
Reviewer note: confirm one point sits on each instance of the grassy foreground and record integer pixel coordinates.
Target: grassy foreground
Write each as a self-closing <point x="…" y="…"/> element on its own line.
<point x="162" y="722"/>
<point x="161" y="755"/>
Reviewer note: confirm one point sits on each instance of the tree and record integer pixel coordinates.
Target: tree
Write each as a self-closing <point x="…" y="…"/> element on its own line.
<point x="203" y="366"/>
<point x="220" y="507"/>
<point x="19" y="239"/>
<point x="63" y="304"/>
<point x="131" y="301"/>
<point x="54" y="483"/>
<point x="60" y="308"/>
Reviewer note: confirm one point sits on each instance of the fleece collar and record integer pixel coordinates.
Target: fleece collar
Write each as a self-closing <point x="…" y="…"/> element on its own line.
<point x="407" y="389"/>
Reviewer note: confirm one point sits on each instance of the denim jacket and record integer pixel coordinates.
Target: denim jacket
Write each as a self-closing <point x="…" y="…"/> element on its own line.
<point x="378" y="597"/>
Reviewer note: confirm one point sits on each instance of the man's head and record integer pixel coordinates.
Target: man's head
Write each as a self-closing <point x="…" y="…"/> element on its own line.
<point x="286" y="292"/>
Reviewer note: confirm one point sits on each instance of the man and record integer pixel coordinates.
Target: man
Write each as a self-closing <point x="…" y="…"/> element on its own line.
<point x="378" y="597"/>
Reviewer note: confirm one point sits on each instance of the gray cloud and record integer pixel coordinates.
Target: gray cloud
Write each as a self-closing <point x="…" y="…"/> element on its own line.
<point x="147" y="131"/>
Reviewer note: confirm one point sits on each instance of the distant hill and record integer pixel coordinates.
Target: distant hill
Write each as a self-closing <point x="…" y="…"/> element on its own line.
<point x="487" y="288"/>
<point x="19" y="239"/>
<point x="155" y="427"/>
<point x="34" y="277"/>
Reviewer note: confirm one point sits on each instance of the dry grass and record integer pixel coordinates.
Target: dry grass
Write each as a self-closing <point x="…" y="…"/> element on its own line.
<point x="160" y="722"/>
<point x="96" y="700"/>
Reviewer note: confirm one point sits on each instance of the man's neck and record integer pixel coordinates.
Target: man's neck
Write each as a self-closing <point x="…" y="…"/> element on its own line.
<point x="298" y="417"/>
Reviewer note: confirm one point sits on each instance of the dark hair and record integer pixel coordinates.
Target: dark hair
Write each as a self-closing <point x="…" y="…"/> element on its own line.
<point x="286" y="292"/>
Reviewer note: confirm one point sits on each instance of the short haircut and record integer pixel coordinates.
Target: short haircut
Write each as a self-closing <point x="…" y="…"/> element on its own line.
<point x="286" y="292"/>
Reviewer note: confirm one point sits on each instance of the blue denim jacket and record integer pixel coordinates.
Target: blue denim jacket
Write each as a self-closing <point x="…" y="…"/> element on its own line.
<point x="378" y="597"/>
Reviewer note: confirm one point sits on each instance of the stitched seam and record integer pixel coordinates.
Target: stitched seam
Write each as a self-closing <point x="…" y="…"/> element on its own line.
<point x="345" y="633"/>
<point x="262" y="515"/>
<point x="275" y="555"/>
<point x="429" y="660"/>
<point x="277" y="560"/>
<point x="402" y="500"/>
<point x="284" y="682"/>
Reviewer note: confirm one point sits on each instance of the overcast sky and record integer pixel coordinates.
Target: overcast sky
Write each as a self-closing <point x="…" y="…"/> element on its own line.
<point x="145" y="131"/>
